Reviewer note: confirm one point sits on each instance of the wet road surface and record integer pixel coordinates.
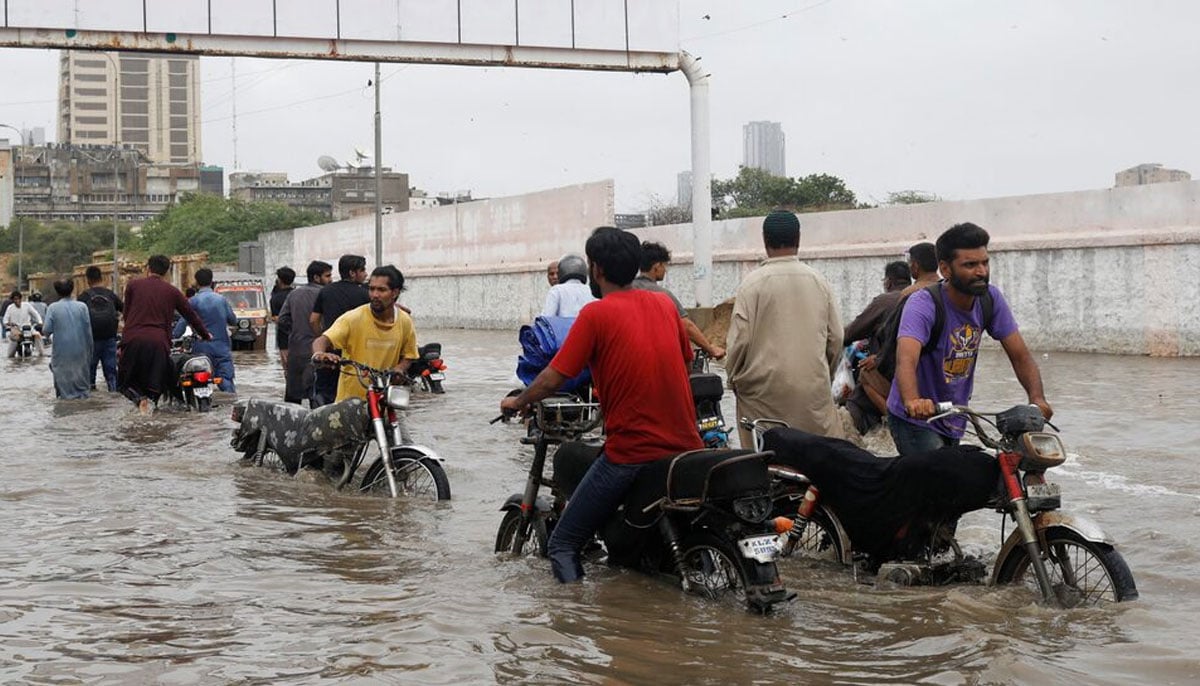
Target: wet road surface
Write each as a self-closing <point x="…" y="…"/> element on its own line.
<point x="139" y="550"/>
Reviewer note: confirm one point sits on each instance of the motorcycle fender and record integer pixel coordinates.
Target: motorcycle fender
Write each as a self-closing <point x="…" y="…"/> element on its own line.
<point x="1083" y="526"/>
<point x="543" y="504"/>
<point x="423" y="450"/>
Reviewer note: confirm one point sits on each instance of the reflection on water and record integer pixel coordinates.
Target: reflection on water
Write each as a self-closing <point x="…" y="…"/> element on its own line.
<point x="139" y="550"/>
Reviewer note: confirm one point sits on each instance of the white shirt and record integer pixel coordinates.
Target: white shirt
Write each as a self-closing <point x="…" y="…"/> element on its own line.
<point x="21" y="315"/>
<point x="567" y="299"/>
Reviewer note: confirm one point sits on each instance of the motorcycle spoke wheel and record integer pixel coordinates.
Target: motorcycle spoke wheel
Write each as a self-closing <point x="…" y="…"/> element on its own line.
<point x="713" y="573"/>
<point x="820" y="541"/>
<point x="535" y="541"/>
<point x="1082" y="573"/>
<point x="271" y="460"/>
<point x="420" y="478"/>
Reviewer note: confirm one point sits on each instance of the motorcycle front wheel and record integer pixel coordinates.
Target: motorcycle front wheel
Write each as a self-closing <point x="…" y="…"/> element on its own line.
<point x="1084" y="573"/>
<point x="535" y="540"/>
<point x="418" y="477"/>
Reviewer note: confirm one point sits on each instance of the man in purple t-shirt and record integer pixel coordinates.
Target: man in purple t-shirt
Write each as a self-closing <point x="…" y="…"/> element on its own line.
<point x="947" y="371"/>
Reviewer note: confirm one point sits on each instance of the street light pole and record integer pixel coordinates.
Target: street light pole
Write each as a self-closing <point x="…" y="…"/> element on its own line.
<point x="378" y="176"/>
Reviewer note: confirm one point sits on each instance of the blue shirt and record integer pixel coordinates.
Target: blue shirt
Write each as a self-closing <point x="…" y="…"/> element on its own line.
<point x="216" y="313"/>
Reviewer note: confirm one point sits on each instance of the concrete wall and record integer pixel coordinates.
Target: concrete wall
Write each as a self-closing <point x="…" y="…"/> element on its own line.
<point x="1110" y="270"/>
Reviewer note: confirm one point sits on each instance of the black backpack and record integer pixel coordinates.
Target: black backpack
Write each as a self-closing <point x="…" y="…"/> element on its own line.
<point x="103" y="312"/>
<point x="885" y="355"/>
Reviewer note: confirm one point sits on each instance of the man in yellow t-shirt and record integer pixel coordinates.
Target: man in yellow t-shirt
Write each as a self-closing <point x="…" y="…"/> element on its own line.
<point x="378" y="334"/>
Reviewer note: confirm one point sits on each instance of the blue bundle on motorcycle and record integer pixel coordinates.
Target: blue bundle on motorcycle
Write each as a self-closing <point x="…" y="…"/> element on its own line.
<point x="540" y="341"/>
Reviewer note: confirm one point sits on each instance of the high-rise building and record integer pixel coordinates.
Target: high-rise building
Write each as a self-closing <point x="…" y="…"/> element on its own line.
<point x="763" y="147"/>
<point x="683" y="189"/>
<point x="148" y="101"/>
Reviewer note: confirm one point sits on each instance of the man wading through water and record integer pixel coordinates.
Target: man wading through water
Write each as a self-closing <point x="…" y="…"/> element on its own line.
<point x="638" y="351"/>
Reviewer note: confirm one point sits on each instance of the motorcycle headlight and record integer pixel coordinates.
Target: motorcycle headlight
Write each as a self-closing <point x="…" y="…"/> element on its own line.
<point x="1041" y="450"/>
<point x="752" y="509"/>
<point x="397" y="397"/>
<point x="196" y="364"/>
<point x="243" y="324"/>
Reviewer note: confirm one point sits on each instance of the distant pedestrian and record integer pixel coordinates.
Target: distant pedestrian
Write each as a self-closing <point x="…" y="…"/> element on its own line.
<point x="37" y="301"/>
<point x="571" y="293"/>
<point x="922" y="266"/>
<point x="104" y="309"/>
<point x="867" y="404"/>
<point x="144" y="357"/>
<point x="552" y="273"/>
<point x="785" y="337"/>
<point x="298" y="374"/>
<point x="333" y="301"/>
<point x="68" y="321"/>
<point x="655" y="259"/>
<point x="284" y="278"/>
<point x="218" y="316"/>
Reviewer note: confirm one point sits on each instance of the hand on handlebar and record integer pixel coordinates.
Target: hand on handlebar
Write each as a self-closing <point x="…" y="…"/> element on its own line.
<point x="1044" y="406"/>
<point x="920" y="408"/>
<point x="323" y="359"/>
<point x="510" y="407"/>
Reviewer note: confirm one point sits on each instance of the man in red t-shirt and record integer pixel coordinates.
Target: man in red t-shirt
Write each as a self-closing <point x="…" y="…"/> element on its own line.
<point x="638" y="351"/>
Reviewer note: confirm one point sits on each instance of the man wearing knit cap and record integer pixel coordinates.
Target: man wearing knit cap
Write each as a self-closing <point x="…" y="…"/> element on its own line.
<point x="785" y="337"/>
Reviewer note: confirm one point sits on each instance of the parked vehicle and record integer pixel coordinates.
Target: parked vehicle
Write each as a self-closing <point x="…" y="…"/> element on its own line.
<point x="428" y="370"/>
<point x="897" y="517"/>
<point x="338" y="438"/>
<point x="194" y="378"/>
<point x="707" y="391"/>
<point x="246" y="295"/>
<point x="701" y="517"/>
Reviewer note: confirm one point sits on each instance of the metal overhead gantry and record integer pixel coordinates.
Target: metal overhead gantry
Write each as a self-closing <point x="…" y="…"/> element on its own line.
<point x="593" y="35"/>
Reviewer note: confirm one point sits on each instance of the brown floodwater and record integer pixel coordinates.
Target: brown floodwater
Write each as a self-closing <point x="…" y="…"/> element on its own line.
<point x="139" y="550"/>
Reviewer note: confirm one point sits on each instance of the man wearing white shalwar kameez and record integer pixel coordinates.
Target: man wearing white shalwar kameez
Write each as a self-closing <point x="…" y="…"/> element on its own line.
<point x="785" y="338"/>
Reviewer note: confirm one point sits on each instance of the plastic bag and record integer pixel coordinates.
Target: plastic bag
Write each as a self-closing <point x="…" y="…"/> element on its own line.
<point x="843" y="377"/>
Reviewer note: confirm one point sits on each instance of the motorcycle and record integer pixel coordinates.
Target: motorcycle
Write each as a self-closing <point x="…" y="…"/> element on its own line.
<point x="194" y="379"/>
<point x="428" y="369"/>
<point x="25" y="342"/>
<point x="896" y="517"/>
<point x="339" y="438"/>
<point x="707" y="391"/>
<point x="701" y="517"/>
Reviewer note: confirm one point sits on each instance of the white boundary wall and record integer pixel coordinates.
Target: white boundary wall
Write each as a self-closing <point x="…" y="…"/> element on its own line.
<point x="1114" y="270"/>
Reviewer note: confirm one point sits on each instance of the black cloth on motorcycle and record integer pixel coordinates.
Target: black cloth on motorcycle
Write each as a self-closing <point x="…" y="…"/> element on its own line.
<point x="292" y="430"/>
<point x="877" y="497"/>
<point x="540" y="342"/>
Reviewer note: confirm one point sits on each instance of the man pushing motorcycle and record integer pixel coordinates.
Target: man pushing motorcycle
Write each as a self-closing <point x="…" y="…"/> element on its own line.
<point x="627" y="338"/>
<point x="378" y="334"/>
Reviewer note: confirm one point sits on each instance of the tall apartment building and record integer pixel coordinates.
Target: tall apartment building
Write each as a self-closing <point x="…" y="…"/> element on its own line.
<point x="683" y="189"/>
<point x="148" y="101"/>
<point x="763" y="147"/>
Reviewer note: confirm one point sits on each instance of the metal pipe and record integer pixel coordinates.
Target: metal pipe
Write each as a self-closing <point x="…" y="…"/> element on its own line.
<point x="378" y="175"/>
<point x="701" y="180"/>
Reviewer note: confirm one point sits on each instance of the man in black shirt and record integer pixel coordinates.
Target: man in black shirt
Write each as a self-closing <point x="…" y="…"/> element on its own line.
<point x="284" y="277"/>
<point x="333" y="301"/>
<point x="103" y="307"/>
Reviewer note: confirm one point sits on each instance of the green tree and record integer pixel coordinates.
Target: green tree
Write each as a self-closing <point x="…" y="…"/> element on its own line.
<point x="59" y="247"/>
<point x="910" y="198"/>
<point x="209" y="223"/>
<point x="755" y="192"/>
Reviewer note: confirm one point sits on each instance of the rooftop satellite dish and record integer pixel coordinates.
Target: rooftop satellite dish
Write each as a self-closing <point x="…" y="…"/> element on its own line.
<point x="358" y="152"/>
<point x="327" y="163"/>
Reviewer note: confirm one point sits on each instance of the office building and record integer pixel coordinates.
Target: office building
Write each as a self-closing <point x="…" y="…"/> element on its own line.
<point x="149" y="101"/>
<point x="337" y="195"/>
<point x="1150" y="173"/>
<point x="683" y="189"/>
<point x="763" y="147"/>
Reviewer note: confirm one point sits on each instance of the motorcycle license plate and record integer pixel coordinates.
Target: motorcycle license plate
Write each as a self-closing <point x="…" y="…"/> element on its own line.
<point x="760" y="548"/>
<point x="437" y="376"/>
<point x="203" y="391"/>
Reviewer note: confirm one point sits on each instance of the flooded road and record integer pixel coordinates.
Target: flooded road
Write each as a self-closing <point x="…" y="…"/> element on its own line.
<point x="139" y="550"/>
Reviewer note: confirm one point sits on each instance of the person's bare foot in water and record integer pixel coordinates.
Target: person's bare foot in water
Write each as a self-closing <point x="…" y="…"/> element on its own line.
<point x="144" y="406"/>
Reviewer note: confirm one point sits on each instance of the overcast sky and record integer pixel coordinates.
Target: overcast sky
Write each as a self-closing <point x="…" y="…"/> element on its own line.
<point x="962" y="99"/>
